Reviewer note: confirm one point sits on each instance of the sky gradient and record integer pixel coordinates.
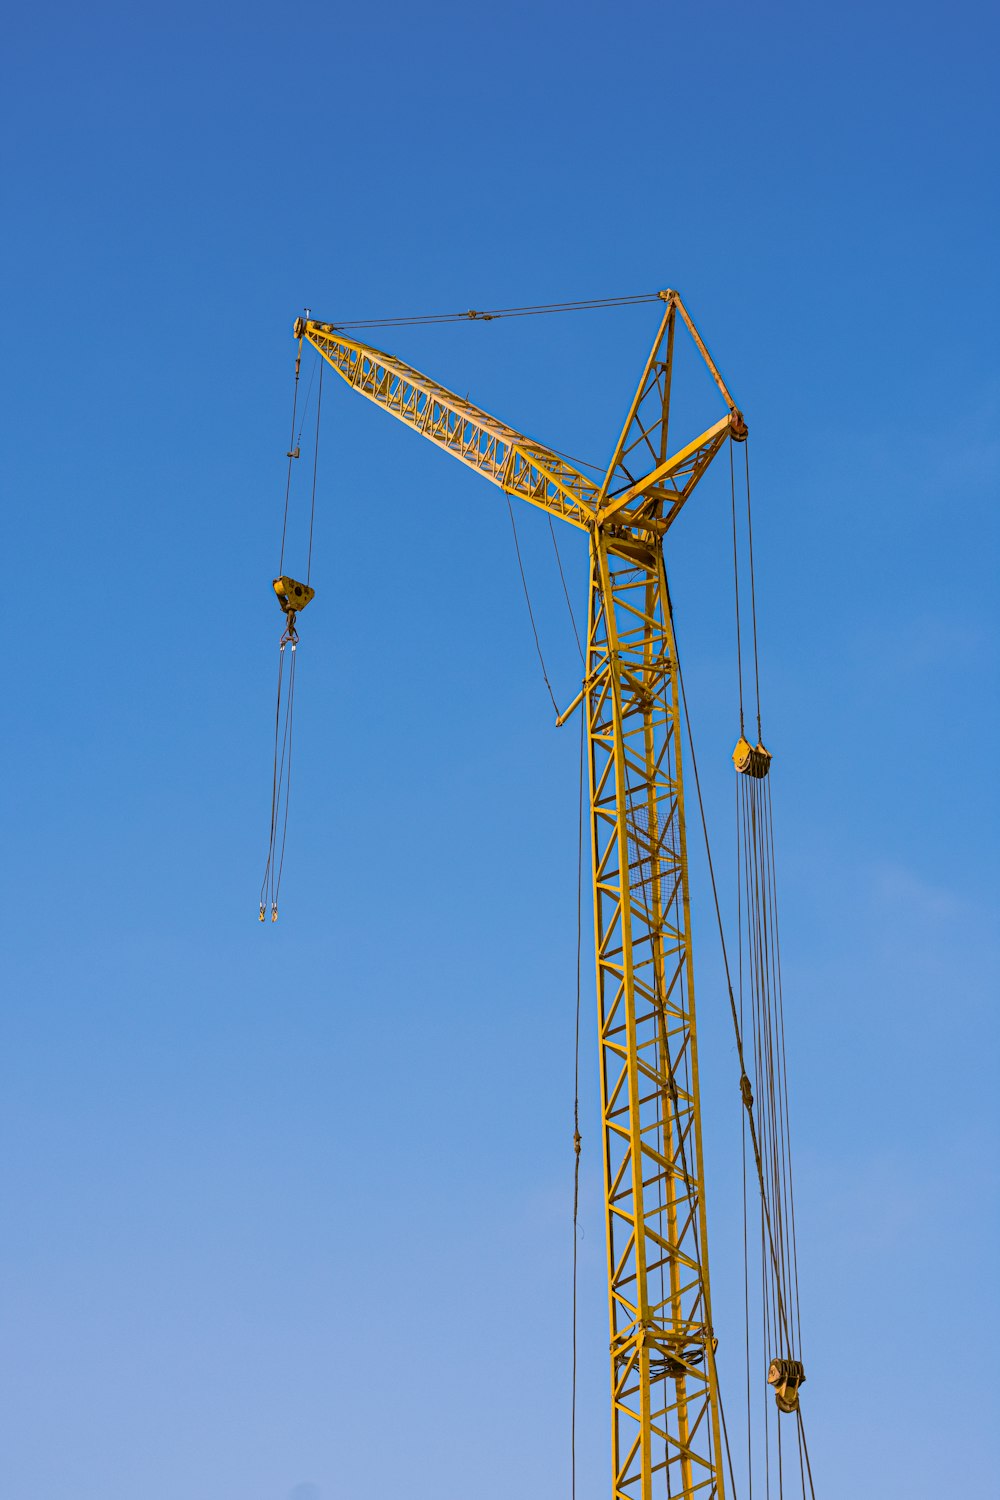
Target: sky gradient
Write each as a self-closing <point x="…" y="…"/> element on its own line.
<point x="287" y="1209"/>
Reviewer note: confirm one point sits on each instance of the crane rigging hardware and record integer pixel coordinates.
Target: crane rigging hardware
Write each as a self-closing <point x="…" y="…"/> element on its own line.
<point x="668" y="1427"/>
<point x="292" y="597"/>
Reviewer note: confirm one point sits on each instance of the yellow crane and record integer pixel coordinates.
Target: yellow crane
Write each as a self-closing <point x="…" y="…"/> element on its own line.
<point x="667" y="1435"/>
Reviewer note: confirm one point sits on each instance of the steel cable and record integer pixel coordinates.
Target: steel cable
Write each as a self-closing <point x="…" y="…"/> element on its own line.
<point x="576" y="1105"/>
<point x="280" y="782"/>
<point x="488" y="315"/>
<point x="291" y="457"/>
<point x="312" y="505"/>
<point x="531" y="612"/>
<point x="736" y="582"/>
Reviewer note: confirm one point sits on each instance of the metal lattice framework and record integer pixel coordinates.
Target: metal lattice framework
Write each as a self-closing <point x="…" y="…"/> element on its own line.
<point x="665" y="1402"/>
<point x="665" y="1420"/>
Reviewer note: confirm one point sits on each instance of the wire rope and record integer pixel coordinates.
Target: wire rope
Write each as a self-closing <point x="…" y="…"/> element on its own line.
<point x="759" y="940"/>
<point x="265" y="883"/>
<point x="784" y="1064"/>
<point x="280" y="782"/>
<point x="291" y="457"/>
<point x="805" y="1450"/>
<point x="284" y="714"/>
<point x="308" y="401"/>
<point x="487" y="315"/>
<point x="736" y="582"/>
<point x="576" y="1108"/>
<point x="312" y="504"/>
<point x="743" y="1142"/>
<point x="562" y="576"/>
<point x="753" y="591"/>
<point x="527" y="600"/>
<point x="287" y="768"/>
<point x="758" y="1159"/>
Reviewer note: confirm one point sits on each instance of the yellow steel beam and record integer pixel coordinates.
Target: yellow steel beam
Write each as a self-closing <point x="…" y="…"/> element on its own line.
<point x="665" y="1407"/>
<point x="703" y="351"/>
<point x="685" y="463"/>
<point x="666" y="329"/>
<point x="507" y="458"/>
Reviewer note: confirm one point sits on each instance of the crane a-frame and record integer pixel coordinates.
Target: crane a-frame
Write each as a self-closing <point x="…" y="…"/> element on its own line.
<point x="666" y="1429"/>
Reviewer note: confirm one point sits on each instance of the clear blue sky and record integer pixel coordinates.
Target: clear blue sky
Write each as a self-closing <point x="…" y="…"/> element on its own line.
<point x="286" y="1210"/>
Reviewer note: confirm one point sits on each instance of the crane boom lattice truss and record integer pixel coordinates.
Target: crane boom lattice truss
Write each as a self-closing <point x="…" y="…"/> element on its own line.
<point x="666" y="1433"/>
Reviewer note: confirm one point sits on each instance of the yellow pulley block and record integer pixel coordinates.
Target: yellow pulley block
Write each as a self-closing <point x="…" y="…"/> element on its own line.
<point x="292" y="596"/>
<point x="751" y="760"/>
<point x="786" y="1375"/>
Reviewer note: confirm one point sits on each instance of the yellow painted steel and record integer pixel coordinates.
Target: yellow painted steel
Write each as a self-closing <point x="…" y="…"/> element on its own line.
<point x="665" y="1428"/>
<point x="292" y="596"/>
<point x="751" y="760"/>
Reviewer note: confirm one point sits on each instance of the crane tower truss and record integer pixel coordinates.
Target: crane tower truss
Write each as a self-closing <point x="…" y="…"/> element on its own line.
<point x="665" y="1431"/>
<point x="665" y="1421"/>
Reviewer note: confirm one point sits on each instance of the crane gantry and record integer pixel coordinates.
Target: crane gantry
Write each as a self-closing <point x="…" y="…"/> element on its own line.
<point x="666" y="1430"/>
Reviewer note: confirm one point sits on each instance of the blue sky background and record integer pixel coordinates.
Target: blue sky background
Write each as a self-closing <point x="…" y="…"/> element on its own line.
<point x="287" y="1210"/>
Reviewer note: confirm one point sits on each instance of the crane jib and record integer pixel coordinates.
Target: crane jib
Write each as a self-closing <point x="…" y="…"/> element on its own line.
<point x="667" y="1430"/>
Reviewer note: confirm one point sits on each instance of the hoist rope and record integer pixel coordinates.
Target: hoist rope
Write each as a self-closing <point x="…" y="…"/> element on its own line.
<point x="291" y="457"/>
<point x="805" y="1450"/>
<point x="280" y="782"/>
<point x="284" y="713"/>
<point x="725" y="959"/>
<point x="576" y="1102"/>
<point x="774" y="1307"/>
<point x="265" y="890"/>
<point x="312" y="503"/>
<point x="763" y="950"/>
<point x="768" y="1123"/>
<point x="784" y="1057"/>
<point x="736" y="582"/>
<point x="753" y="590"/>
<point x="527" y="600"/>
<point x="743" y="1139"/>
<point x="287" y="768"/>
<point x="486" y="315"/>
<point x="308" y="401"/>
<point x="562" y="575"/>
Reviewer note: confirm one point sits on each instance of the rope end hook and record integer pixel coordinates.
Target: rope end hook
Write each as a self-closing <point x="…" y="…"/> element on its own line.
<point x="260" y="916"/>
<point x="274" y="912"/>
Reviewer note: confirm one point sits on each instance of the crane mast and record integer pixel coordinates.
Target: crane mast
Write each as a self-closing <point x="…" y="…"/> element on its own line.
<point x="666" y="1426"/>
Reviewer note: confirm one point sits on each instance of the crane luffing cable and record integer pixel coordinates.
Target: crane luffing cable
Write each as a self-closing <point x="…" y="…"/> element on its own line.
<point x="651" y="830"/>
<point x="488" y="315"/>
